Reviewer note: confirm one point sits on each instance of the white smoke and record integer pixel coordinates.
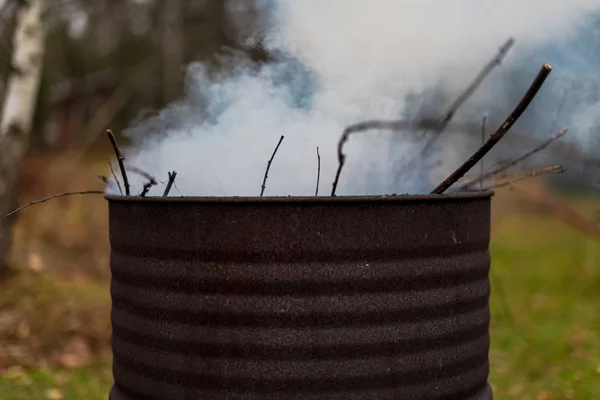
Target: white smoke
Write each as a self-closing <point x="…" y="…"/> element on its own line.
<point x="345" y="61"/>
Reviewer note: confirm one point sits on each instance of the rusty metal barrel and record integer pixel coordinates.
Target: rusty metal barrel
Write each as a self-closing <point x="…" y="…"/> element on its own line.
<point x="324" y="298"/>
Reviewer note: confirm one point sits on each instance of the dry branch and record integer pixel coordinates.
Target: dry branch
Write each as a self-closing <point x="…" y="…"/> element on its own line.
<point x="112" y="171"/>
<point x="558" y="169"/>
<point x="483" y="74"/>
<point x="52" y="197"/>
<point x="497" y="60"/>
<point x="120" y="159"/>
<point x="507" y="164"/>
<point x="263" y="186"/>
<point x="499" y="134"/>
<point x="318" y="171"/>
<point x="172" y="176"/>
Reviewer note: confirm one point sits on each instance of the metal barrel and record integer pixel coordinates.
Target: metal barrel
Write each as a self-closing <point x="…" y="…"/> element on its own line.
<point x="324" y="298"/>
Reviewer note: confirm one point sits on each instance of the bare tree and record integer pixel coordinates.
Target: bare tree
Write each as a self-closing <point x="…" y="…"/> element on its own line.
<point x="19" y="106"/>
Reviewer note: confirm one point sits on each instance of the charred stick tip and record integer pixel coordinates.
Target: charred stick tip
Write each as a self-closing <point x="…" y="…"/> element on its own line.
<point x="264" y="183"/>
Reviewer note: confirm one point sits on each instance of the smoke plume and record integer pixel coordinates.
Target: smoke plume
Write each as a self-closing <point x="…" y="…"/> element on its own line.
<point x="337" y="62"/>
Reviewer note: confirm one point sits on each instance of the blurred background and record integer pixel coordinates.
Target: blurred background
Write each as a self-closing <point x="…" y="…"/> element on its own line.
<point x="109" y="63"/>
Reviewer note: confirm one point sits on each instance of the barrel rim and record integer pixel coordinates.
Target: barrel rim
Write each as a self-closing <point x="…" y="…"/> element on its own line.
<point x="403" y="198"/>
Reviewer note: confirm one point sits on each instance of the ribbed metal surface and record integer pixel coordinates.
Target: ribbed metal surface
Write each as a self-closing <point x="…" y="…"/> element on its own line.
<point x="300" y="298"/>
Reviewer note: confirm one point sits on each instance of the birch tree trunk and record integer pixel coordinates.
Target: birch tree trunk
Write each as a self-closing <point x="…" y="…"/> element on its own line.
<point x="19" y="107"/>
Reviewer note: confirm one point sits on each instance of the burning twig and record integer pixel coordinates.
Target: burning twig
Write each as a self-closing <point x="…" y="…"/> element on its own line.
<point x="318" y="171"/>
<point x="120" y="159"/>
<point x="52" y="197"/>
<point x="263" y="186"/>
<point x="530" y="174"/>
<point x="172" y="176"/>
<point x="499" y="134"/>
<point x="515" y="161"/>
<point x="443" y="122"/>
<point x="112" y="171"/>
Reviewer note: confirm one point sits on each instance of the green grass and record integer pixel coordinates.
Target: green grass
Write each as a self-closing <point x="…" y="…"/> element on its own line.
<point x="77" y="384"/>
<point x="548" y="345"/>
<point x="545" y="326"/>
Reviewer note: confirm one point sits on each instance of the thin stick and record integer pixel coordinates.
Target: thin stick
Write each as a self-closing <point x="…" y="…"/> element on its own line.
<point x="368" y="125"/>
<point x="318" y="171"/>
<point x="530" y="174"/>
<point x="482" y="142"/>
<point x="483" y="74"/>
<point x="555" y="168"/>
<point x="507" y="164"/>
<point x="172" y="176"/>
<point x="112" y="171"/>
<point x="120" y="159"/>
<point x="50" y="198"/>
<point x="499" y="134"/>
<point x="263" y="186"/>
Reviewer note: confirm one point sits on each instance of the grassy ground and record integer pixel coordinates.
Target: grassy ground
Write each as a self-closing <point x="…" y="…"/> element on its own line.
<point x="88" y="383"/>
<point x="545" y="306"/>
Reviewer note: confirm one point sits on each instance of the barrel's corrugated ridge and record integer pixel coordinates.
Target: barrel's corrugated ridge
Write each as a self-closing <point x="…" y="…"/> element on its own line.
<point x="303" y="304"/>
